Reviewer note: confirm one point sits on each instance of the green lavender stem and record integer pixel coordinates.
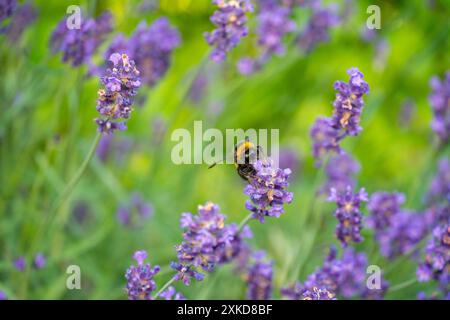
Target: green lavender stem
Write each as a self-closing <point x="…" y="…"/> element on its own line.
<point x="76" y="178"/>
<point x="164" y="287"/>
<point x="403" y="285"/>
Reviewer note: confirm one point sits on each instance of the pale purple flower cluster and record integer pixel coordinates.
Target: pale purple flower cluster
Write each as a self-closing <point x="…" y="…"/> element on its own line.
<point x="440" y="103"/>
<point x="7" y="8"/>
<point x="246" y="66"/>
<point x="317" y="30"/>
<point x="267" y="190"/>
<point x="22" y="17"/>
<point x="437" y="260"/>
<point x="78" y="45"/>
<point x="259" y="277"/>
<point x="345" y="277"/>
<point x="340" y="172"/>
<point x="289" y="158"/>
<point x="439" y="190"/>
<point x="325" y="139"/>
<point x="396" y="230"/>
<point x="20" y="264"/>
<point x="172" y="294"/>
<point x="298" y="291"/>
<point x="207" y="241"/>
<point x="134" y="212"/>
<point x="326" y="133"/>
<point x="121" y="82"/>
<point x="39" y="261"/>
<point x="273" y="24"/>
<point x="405" y="230"/>
<point x="150" y="47"/>
<point x="382" y="207"/>
<point x="3" y="296"/>
<point x="349" y="103"/>
<point x="113" y="147"/>
<point x="198" y="88"/>
<point x="348" y="214"/>
<point x="230" y="21"/>
<point x="140" y="283"/>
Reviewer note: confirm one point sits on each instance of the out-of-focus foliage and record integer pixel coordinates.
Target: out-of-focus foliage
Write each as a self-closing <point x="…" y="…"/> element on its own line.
<point x="46" y="128"/>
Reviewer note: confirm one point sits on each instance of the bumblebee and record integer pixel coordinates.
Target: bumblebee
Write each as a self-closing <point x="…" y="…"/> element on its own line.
<point x="246" y="153"/>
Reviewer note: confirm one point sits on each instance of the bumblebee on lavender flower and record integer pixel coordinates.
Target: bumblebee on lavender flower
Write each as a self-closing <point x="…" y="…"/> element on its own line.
<point x="246" y="153"/>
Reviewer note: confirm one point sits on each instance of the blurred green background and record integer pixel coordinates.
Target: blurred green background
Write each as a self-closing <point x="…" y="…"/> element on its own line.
<point x="46" y="128"/>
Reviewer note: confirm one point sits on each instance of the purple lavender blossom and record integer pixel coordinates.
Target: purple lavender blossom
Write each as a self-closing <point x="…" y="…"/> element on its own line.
<point x="259" y="278"/>
<point x="230" y="21"/>
<point x="349" y="103"/>
<point x="172" y="294"/>
<point x="437" y="260"/>
<point x="78" y="45"/>
<point x="113" y="147"/>
<point x="340" y="172"/>
<point x="298" y="291"/>
<point x="150" y="47"/>
<point x="39" y="261"/>
<point x="289" y="158"/>
<point x="7" y="8"/>
<point x="439" y="190"/>
<point x="267" y="190"/>
<point x="135" y="211"/>
<point x="315" y="293"/>
<point x="247" y="66"/>
<point x="440" y="104"/>
<point x="273" y="25"/>
<point x="185" y="273"/>
<point x="207" y="241"/>
<point x="20" y="264"/>
<point x="3" y="296"/>
<point x="382" y="207"/>
<point x="198" y="87"/>
<point x="325" y="139"/>
<point x="348" y="214"/>
<point x="317" y="30"/>
<point x="345" y="277"/>
<point x="121" y="82"/>
<point x="22" y="17"/>
<point x="405" y="230"/>
<point x="140" y="283"/>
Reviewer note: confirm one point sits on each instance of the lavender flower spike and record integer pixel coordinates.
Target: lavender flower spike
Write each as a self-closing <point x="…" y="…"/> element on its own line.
<point x="121" y="83"/>
<point x="382" y="206"/>
<point x="171" y="294"/>
<point x="207" y="241"/>
<point x="78" y="45"/>
<point x="348" y="214"/>
<point x="437" y="260"/>
<point x="440" y="103"/>
<point x="7" y="8"/>
<point x="140" y="283"/>
<point x="267" y="190"/>
<point x="273" y="24"/>
<point x="325" y="139"/>
<point x="349" y="103"/>
<point x="259" y="278"/>
<point x="230" y="20"/>
<point x="20" y="264"/>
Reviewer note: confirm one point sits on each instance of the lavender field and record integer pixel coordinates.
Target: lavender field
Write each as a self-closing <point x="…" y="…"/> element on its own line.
<point x="109" y="112"/>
